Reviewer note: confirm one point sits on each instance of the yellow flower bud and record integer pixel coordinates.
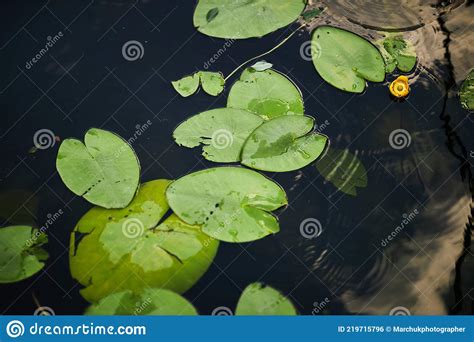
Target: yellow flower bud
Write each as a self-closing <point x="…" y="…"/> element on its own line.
<point x="400" y="87"/>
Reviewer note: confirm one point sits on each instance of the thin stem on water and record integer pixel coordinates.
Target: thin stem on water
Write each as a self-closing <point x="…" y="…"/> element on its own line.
<point x="265" y="53"/>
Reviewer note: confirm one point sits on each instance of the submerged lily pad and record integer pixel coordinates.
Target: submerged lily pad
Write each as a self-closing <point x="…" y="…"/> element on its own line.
<point x="187" y="85"/>
<point x="466" y="94"/>
<point x="231" y="203"/>
<point x="104" y="169"/>
<point x="258" y="299"/>
<point x="261" y="66"/>
<point x="346" y="60"/>
<point x="398" y="53"/>
<point x="266" y="93"/>
<point x="222" y="131"/>
<point x="344" y="170"/>
<point x="21" y="255"/>
<point x="123" y="249"/>
<point x="283" y="144"/>
<point x="150" y="302"/>
<point x="239" y="19"/>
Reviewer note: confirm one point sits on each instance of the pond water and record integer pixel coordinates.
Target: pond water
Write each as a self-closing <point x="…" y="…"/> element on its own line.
<point x="419" y="195"/>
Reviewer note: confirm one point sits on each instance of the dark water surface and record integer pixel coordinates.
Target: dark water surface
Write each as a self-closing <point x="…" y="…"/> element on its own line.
<point x="84" y="81"/>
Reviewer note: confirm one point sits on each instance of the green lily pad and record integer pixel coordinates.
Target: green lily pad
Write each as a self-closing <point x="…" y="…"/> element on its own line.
<point x="344" y="170"/>
<point x="21" y="255"/>
<point x="187" y="86"/>
<point x="212" y="82"/>
<point x="104" y="169"/>
<point x="239" y="19"/>
<point x="312" y="13"/>
<point x="266" y="93"/>
<point x="231" y="203"/>
<point x="150" y="302"/>
<point x="397" y="53"/>
<point x="466" y="93"/>
<point x="283" y="144"/>
<point x="346" y="60"/>
<point x="222" y="131"/>
<point x="123" y="249"/>
<point x="258" y="300"/>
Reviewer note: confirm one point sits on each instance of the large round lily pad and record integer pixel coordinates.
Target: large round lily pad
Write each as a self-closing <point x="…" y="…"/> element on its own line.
<point x="124" y="249"/>
<point x="104" y="169"/>
<point x="346" y="60"/>
<point x="21" y="254"/>
<point x="239" y="19"/>
<point x="266" y="93"/>
<point x="283" y="144"/>
<point x="150" y="302"/>
<point x="222" y="131"/>
<point x="231" y="203"/>
<point x="258" y="299"/>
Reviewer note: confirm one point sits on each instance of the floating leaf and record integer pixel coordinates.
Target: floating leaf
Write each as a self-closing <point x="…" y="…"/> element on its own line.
<point x="239" y="19"/>
<point x="312" y="13"/>
<point x="187" y="86"/>
<point x="104" y="169"/>
<point x="344" y="170"/>
<point x="283" y="144"/>
<point x="21" y="255"/>
<point x="398" y="53"/>
<point x="261" y="66"/>
<point x="222" y="131"/>
<point x="231" y="203"/>
<point x="466" y="94"/>
<point x="267" y="93"/>
<point x="346" y="60"/>
<point x="123" y="249"/>
<point x="150" y="302"/>
<point x="258" y="299"/>
<point x="212" y="82"/>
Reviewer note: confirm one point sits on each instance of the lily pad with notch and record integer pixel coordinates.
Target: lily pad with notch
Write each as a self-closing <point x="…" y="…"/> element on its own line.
<point x="150" y="302"/>
<point x="266" y="93"/>
<point x="222" y="131"/>
<point x="104" y="169"/>
<point x="21" y="253"/>
<point x="232" y="204"/>
<point x="113" y="250"/>
<point x="346" y="60"/>
<point x="283" y="144"/>
<point x="211" y="82"/>
<point x="258" y="299"/>
<point x="240" y="19"/>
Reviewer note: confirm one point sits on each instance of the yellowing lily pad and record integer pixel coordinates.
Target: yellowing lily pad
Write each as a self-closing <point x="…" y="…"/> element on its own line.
<point x="104" y="169"/>
<point x="124" y="249"/>
<point x="238" y="19"/>
<point x="21" y="253"/>
<point x="346" y="60"/>
<point x="286" y="143"/>
<point x="150" y="302"/>
<point x="260" y="300"/>
<point x="266" y="93"/>
<point x="222" y="131"/>
<point x="232" y="204"/>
